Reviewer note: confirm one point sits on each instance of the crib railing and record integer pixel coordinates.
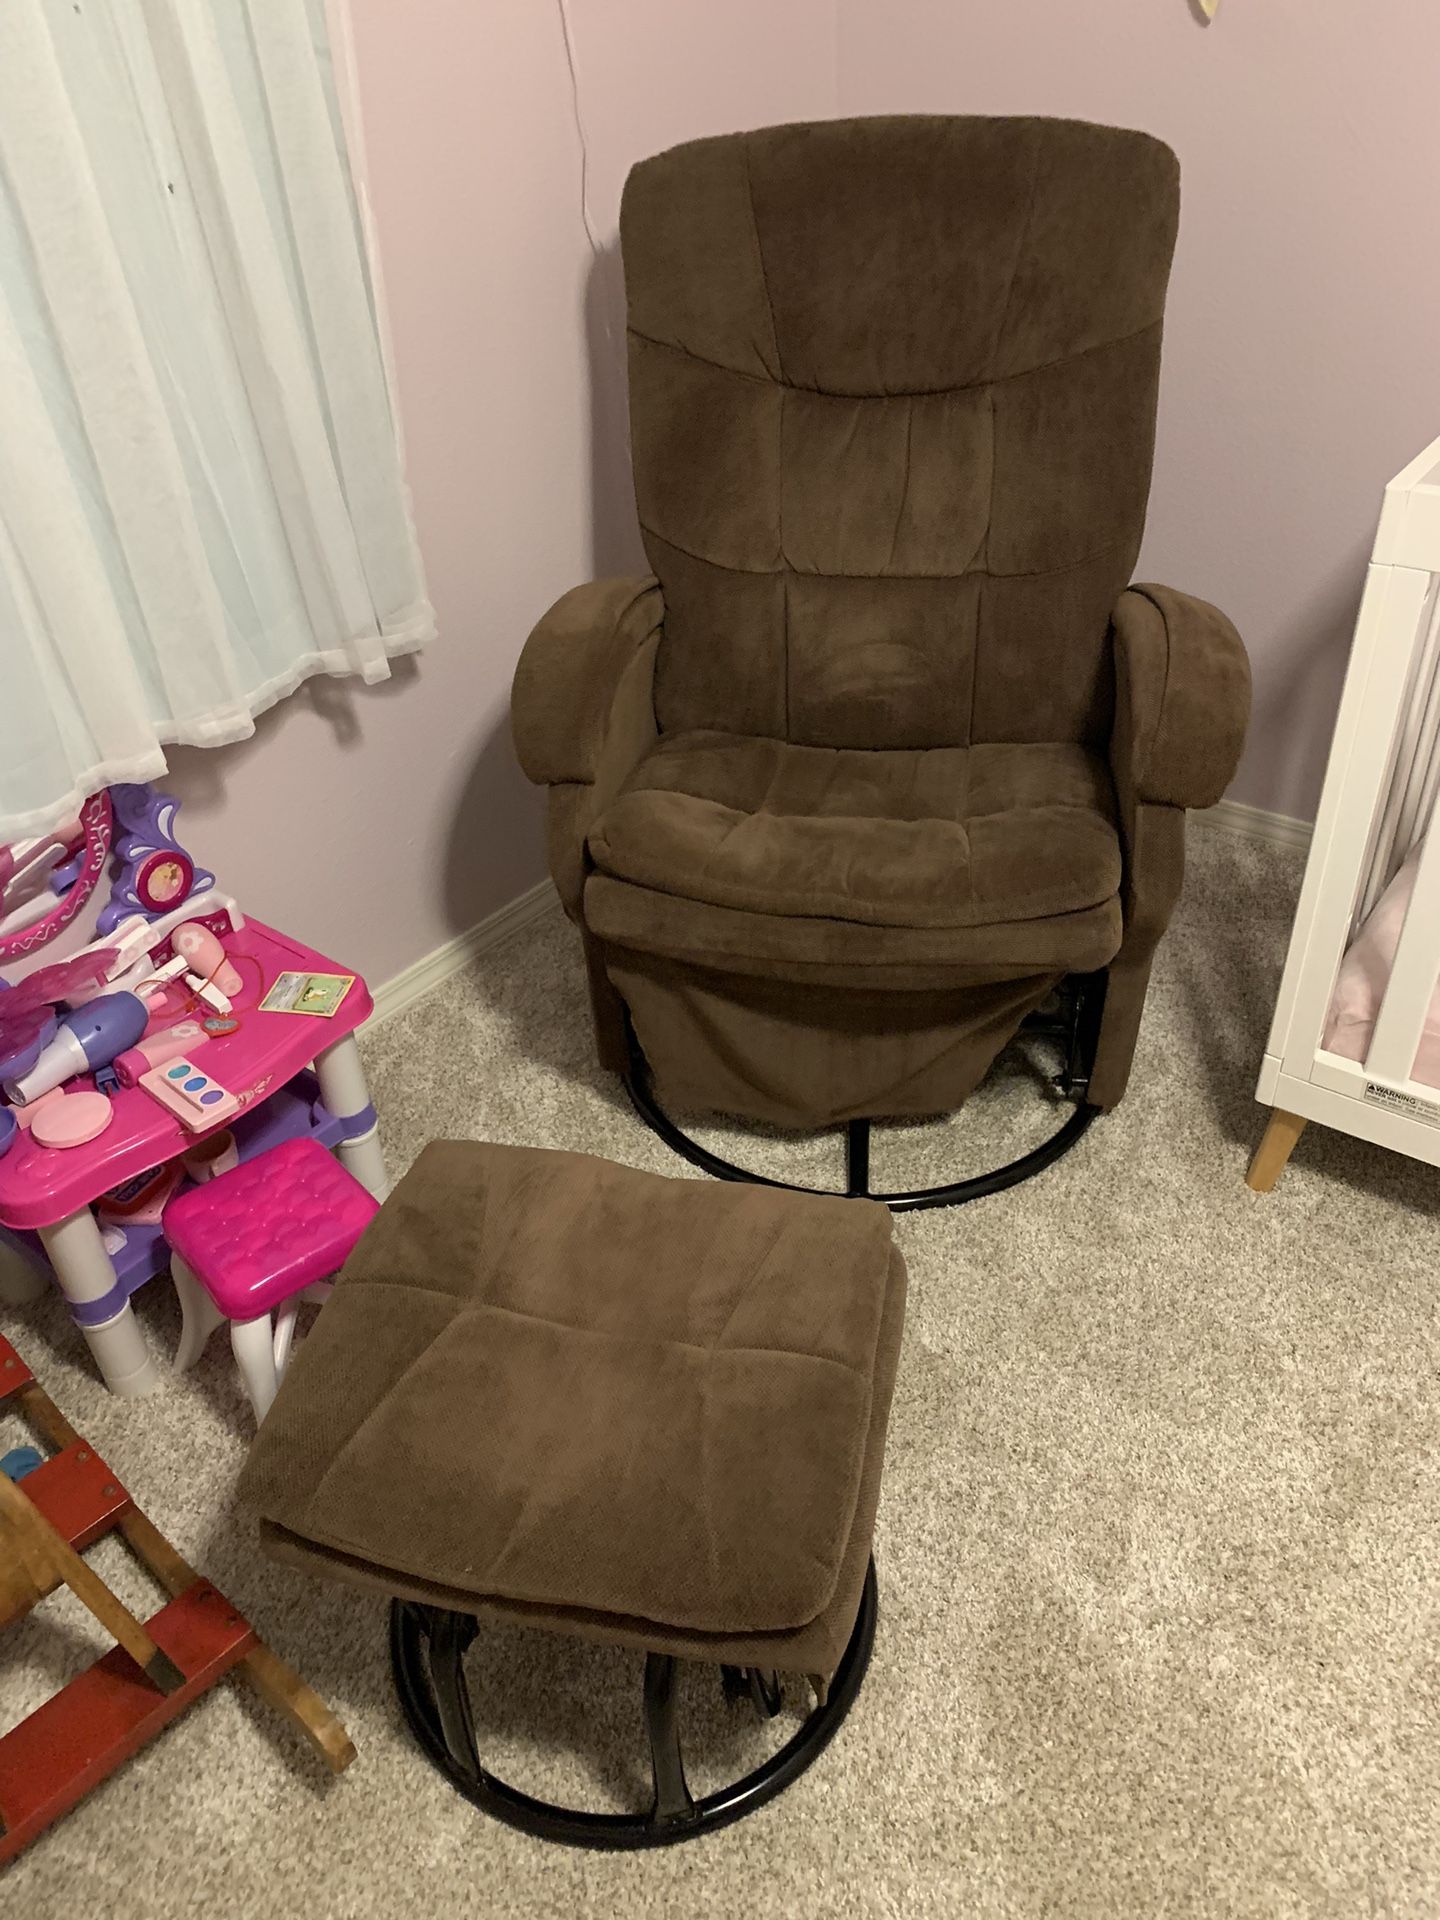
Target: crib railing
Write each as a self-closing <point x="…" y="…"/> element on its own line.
<point x="1377" y="805"/>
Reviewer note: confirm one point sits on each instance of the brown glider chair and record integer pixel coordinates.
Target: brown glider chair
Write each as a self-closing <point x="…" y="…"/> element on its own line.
<point x="887" y="755"/>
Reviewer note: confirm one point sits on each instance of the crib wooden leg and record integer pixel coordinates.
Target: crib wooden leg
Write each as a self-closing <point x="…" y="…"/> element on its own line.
<point x="1276" y="1146"/>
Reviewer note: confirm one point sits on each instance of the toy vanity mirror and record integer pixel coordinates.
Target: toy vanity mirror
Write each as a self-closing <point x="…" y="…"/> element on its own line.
<point x="44" y="883"/>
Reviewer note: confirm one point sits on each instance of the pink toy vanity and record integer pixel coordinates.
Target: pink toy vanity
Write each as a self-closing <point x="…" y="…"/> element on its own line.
<point x="272" y="1075"/>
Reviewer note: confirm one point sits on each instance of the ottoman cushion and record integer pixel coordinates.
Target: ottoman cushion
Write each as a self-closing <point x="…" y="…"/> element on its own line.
<point x="562" y="1390"/>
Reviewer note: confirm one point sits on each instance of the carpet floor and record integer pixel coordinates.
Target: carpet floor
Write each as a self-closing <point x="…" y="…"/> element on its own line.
<point x="1158" y="1555"/>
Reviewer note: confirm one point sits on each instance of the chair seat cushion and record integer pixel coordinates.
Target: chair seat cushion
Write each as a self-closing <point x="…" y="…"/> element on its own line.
<point x="938" y="838"/>
<point x="270" y="1227"/>
<point x="549" y="1383"/>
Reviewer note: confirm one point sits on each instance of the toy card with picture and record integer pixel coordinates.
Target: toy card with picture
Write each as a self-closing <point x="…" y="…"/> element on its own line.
<point x="315" y="993"/>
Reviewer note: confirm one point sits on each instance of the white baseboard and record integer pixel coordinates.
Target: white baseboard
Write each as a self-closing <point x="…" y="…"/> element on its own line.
<point x="492" y="932"/>
<point x="1234" y="816"/>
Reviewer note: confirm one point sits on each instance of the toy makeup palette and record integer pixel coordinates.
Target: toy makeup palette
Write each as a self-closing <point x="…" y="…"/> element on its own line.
<point x="196" y="1100"/>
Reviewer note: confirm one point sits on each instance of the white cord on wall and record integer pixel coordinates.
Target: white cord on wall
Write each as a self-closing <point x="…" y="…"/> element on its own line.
<point x="590" y="233"/>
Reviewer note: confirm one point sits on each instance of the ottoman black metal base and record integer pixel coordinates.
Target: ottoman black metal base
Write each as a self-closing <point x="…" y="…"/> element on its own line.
<point x="427" y="1649"/>
<point x="1076" y="1028"/>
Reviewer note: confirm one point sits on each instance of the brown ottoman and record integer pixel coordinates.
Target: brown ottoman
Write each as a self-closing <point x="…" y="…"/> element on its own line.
<point x="638" y="1410"/>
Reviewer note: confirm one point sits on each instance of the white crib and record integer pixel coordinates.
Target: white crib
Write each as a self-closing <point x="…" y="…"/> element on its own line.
<point x="1377" y="804"/>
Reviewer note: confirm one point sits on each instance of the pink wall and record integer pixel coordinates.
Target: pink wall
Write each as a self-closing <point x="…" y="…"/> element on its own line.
<point x="381" y="822"/>
<point x="1302" y="359"/>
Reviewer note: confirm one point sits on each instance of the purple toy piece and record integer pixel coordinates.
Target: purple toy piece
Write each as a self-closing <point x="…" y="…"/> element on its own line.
<point x="27" y="1015"/>
<point x="157" y="873"/>
<point x="105" y="1027"/>
<point x="61" y="980"/>
<point x="25" y="1032"/>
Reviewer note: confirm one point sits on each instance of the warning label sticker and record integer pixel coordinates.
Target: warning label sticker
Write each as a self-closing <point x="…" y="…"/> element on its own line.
<point x="1410" y="1104"/>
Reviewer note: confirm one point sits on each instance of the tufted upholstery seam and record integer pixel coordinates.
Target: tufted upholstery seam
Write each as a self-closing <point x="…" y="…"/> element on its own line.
<point x="786" y="571"/>
<point x="760" y="259"/>
<point x="1020" y="248"/>
<point x="901" y="393"/>
<point x="904" y="500"/>
<point x="483" y="1307"/>
<point x="782" y="383"/>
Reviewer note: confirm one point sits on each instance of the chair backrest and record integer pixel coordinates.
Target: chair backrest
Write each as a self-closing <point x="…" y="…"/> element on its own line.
<point x="892" y="392"/>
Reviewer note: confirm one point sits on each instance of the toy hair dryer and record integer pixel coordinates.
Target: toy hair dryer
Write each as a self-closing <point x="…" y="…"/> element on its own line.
<point x="204" y="953"/>
<point x="86" y="1038"/>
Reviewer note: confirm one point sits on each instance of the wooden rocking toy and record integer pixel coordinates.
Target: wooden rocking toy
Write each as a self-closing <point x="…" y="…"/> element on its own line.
<point x="80" y="1735"/>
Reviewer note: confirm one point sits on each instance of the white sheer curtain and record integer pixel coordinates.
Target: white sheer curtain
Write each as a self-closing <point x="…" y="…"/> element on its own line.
<point x="201" y="497"/>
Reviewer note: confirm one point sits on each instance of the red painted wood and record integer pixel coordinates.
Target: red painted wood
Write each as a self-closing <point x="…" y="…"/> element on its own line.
<point x="14" y="1373"/>
<point x="78" y="1494"/>
<point x="83" y="1733"/>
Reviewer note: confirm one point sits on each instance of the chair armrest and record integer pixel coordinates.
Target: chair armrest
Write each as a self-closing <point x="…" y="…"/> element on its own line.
<point x="569" y="671"/>
<point x="1182" y="700"/>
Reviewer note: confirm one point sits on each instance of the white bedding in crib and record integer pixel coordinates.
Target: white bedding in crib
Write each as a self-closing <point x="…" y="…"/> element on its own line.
<point x="1364" y="974"/>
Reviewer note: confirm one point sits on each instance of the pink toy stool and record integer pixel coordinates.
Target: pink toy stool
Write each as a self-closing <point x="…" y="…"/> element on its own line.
<point x="257" y="1238"/>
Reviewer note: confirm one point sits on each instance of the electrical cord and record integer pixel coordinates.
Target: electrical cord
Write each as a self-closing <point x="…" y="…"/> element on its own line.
<point x="595" y="244"/>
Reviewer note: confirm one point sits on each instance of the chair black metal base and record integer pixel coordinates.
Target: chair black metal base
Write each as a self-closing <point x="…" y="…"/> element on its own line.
<point x="1077" y="1029"/>
<point x="427" y="1649"/>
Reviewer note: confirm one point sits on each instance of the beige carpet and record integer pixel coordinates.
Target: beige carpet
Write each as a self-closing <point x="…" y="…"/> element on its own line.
<point x="1157" y="1546"/>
